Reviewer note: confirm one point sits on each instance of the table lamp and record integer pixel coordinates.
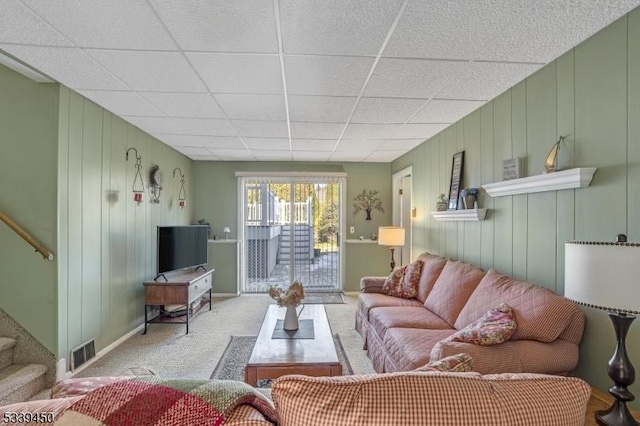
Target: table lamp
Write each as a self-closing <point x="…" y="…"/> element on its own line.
<point x="602" y="275"/>
<point x="226" y="231"/>
<point x="391" y="236"/>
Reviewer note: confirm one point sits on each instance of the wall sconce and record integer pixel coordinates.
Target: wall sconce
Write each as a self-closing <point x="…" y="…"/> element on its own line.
<point x="137" y="187"/>
<point x="414" y="212"/>
<point x="156" y="179"/>
<point x="182" y="195"/>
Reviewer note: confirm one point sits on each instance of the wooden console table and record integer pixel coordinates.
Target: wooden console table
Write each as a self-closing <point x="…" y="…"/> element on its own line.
<point x="185" y="288"/>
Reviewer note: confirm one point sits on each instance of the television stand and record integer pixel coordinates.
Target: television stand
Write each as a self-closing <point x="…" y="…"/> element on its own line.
<point x="187" y="289"/>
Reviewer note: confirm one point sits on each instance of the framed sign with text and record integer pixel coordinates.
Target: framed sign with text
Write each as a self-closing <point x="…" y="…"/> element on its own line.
<point x="456" y="177"/>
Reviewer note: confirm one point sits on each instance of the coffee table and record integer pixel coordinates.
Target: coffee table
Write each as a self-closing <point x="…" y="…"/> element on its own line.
<point x="272" y="358"/>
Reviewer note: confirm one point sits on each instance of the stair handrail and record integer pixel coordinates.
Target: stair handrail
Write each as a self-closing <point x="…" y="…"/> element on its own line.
<point x="40" y="248"/>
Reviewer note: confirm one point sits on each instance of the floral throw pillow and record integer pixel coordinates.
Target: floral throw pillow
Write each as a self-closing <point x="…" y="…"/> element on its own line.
<point x="494" y="327"/>
<point x="458" y="363"/>
<point x="403" y="281"/>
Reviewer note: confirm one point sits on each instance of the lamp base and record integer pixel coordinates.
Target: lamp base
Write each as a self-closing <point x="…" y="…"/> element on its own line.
<point x="393" y="262"/>
<point x="622" y="373"/>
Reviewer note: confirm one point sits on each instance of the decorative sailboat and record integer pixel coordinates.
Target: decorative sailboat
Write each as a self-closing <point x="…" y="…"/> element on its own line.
<point x="551" y="164"/>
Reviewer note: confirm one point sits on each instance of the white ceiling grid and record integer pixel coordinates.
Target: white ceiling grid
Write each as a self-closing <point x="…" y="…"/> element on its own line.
<point x="303" y="80"/>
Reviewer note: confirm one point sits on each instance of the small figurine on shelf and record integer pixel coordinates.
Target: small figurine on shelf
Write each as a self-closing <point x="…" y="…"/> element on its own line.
<point x="441" y="204"/>
<point x="469" y="196"/>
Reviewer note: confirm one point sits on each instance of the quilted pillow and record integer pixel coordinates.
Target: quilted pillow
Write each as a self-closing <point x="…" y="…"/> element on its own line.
<point x="494" y="327"/>
<point x="458" y="363"/>
<point x="403" y="281"/>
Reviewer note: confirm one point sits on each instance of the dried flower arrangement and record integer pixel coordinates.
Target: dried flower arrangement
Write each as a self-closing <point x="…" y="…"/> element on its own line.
<point x="291" y="297"/>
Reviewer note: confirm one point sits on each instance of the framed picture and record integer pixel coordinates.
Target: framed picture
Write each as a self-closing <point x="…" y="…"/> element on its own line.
<point x="456" y="177"/>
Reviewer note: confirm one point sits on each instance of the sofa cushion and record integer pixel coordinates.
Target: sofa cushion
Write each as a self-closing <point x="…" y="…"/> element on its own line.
<point x="452" y="290"/>
<point x="383" y="318"/>
<point x="458" y="363"/>
<point x="403" y="281"/>
<point x="431" y="269"/>
<point x="494" y="327"/>
<point x="540" y="313"/>
<point x="368" y="301"/>
<point x="410" y="348"/>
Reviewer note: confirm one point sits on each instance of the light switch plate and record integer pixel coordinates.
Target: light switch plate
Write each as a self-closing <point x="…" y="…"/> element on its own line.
<point x="352" y="229"/>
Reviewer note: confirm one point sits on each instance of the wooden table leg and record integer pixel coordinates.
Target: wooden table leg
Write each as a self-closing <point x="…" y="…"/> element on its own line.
<point x="251" y="376"/>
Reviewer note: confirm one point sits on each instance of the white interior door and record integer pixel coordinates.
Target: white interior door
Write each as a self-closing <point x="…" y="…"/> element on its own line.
<point x="402" y="211"/>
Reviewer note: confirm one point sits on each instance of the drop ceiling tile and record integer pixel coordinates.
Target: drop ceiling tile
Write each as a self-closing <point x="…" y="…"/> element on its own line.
<point x="227" y="73"/>
<point x="326" y="75"/>
<point x="115" y="24"/>
<point x="189" y="150"/>
<point x="154" y="125"/>
<point x="551" y="28"/>
<point x="445" y="111"/>
<point x="384" y="156"/>
<point x="272" y="155"/>
<point x="327" y="109"/>
<point x="150" y="71"/>
<point x="411" y="78"/>
<point x="226" y="142"/>
<point x="71" y="67"/>
<point x="274" y="144"/>
<point x="205" y="126"/>
<point x="311" y="155"/>
<point x="232" y="154"/>
<point x="359" y="145"/>
<point x="209" y="157"/>
<point x="486" y="80"/>
<point x="385" y="110"/>
<point x="400" y="144"/>
<point x="122" y="103"/>
<point x="451" y="29"/>
<point x="253" y="107"/>
<point x="419" y="131"/>
<point x="300" y="130"/>
<point x="349" y="156"/>
<point x="313" y="144"/>
<point x="20" y="25"/>
<point x="221" y="25"/>
<point x="186" y="105"/>
<point x="261" y="129"/>
<point x="336" y="26"/>
<point x="371" y="131"/>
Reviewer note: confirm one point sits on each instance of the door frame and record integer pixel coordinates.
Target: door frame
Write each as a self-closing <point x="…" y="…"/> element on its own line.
<point x="396" y="179"/>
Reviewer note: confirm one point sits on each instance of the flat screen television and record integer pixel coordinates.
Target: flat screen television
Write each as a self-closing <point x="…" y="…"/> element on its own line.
<point x="181" y="247"/>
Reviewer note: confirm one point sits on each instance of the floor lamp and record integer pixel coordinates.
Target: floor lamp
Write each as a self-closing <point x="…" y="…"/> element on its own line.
<point x="602" y="275"/>
<point x="392" y="237"/>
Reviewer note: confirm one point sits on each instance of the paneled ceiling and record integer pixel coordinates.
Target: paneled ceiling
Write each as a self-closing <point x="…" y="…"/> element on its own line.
<point x="302" y="80"/>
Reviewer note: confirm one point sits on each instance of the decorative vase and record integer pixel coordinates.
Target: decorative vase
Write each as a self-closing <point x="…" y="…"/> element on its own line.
<point x="469" y="201"/>
<point x="441" y="206"/>
<point x="290" y="319"/>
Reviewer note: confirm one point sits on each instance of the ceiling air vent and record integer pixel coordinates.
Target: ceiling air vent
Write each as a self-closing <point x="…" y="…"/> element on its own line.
<point x="82" y="354"/>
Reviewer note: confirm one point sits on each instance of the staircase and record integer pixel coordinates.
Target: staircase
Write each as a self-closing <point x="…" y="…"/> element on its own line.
<point x="302" y="247"/>
<point x="26" y="367"/>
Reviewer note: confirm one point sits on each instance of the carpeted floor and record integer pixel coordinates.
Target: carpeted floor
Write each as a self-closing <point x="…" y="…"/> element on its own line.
<point x="323" y="298"/>
<point x="171" y="353"/>
<point x="237" y="354"/>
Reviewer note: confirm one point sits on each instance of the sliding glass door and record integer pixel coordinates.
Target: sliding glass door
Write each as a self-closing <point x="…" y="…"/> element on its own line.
<point x="291" y="231"/>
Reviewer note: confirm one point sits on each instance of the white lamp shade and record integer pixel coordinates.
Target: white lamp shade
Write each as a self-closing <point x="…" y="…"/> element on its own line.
<point x="603" y="275"/>
<point x="390" y="236"/>
<point x="226" y="229"/>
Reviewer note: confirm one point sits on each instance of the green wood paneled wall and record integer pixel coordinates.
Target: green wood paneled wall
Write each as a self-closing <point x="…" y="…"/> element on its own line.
<point x="590" y="95"/>
<point x="107" y="243"/>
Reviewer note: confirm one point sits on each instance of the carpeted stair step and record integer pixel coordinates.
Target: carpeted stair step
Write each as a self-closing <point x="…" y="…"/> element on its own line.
<point x="6" y="351"/>
<point x="19" y="382"/>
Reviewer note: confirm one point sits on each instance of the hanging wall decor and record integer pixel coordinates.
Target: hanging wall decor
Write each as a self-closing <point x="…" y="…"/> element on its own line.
<point x="138" y="181"/>
<point x="456" y="178"/>
<point x="156" y="179"/>
<point x="367" y="200"/>
<point x="182" y="195"/>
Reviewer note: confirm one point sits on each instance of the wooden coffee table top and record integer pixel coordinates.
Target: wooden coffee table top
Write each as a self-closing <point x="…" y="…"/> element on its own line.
<point x="273" y="352"/>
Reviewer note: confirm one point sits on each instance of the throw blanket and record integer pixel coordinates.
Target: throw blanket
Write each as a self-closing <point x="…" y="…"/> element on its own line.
<point x="154" y="401"/>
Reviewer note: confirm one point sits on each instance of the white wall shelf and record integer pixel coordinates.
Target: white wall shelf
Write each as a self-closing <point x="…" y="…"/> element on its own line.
<point x="460" y="215"/>
<point x="564" y="179"/>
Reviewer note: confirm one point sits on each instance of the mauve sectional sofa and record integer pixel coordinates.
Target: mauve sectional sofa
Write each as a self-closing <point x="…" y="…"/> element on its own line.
<point x="404" y="334"/>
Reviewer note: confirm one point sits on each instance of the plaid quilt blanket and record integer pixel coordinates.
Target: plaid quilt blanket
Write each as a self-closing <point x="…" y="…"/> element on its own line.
<point x="154" y="401"/>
